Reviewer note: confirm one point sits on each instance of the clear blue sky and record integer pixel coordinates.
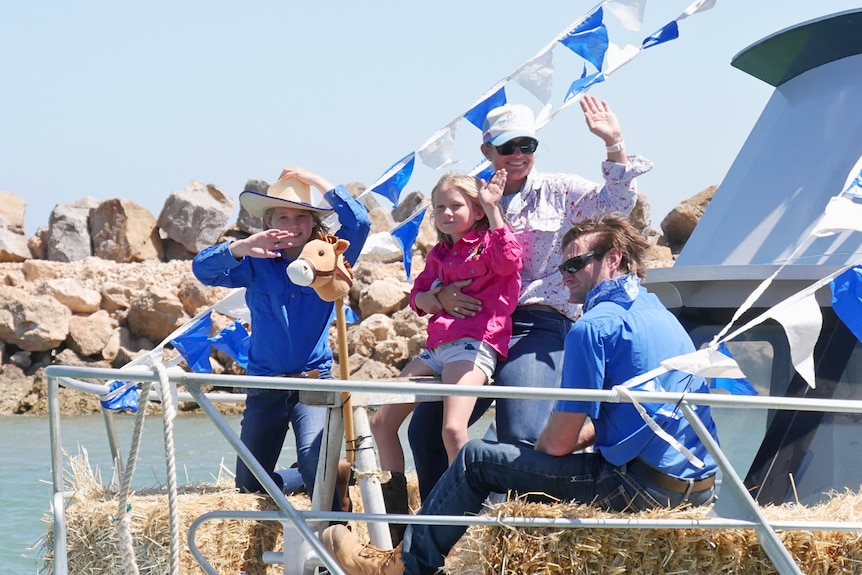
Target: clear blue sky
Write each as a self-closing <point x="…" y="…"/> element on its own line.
<point x="136" y="99"/>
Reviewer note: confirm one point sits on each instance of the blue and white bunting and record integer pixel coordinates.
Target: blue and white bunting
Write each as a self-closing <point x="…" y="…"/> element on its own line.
<point x="668" y="32"/>
<point x="194" y="344"/>
<point x="233" y="341"/>
<point x="847" y="299"/>
<point x="476" y="114"/>
<point x="589" y="40"/>
<point x="405" y="233"/>
<point x="395" y="178"/>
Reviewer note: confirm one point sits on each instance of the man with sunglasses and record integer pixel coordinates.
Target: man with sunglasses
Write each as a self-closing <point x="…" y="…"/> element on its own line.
<point x="624" y="332"/>
<point x="540" y="208"/>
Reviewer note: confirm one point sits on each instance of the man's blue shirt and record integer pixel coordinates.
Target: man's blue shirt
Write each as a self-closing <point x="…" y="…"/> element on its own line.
<point x="625" y="331"/>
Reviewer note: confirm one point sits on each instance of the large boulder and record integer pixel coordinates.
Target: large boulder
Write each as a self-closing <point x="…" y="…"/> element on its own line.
<point x="681" y="221"/>
<point x="68" y="234"/>
<point x="31" y="322"/>
<point x="196" y="216"/>
<point x="13" y="242"/>
<point x="124" y="231"/>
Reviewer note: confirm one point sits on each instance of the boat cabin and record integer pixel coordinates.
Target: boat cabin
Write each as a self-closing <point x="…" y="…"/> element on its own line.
<point x="797" y="156"/>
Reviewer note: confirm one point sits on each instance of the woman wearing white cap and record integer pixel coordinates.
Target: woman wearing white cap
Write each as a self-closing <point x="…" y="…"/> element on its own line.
<point x="540" y="208"/>
<point x="290" y="323"/>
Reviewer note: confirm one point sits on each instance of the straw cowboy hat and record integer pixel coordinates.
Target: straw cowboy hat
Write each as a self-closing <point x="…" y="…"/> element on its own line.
<point x="289" y="193"/>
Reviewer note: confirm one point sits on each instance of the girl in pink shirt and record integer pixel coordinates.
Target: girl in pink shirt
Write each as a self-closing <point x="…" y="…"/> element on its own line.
<point x="474" y="243"/>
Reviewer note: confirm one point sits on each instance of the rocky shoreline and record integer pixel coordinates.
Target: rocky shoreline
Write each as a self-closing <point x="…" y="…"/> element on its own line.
<point x="107" y="281"/>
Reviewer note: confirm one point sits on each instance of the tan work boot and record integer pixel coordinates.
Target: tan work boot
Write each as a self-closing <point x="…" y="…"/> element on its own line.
<point x="359" y="559"/>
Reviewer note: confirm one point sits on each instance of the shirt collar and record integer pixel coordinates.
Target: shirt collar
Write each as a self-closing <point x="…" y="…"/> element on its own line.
<point x="622" y="289"/>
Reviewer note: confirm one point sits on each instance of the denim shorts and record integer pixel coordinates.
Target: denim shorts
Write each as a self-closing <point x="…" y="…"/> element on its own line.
<point x="476" y="352"/>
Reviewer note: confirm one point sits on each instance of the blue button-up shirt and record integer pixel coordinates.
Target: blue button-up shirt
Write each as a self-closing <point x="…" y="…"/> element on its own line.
<point x="290" y="323"/>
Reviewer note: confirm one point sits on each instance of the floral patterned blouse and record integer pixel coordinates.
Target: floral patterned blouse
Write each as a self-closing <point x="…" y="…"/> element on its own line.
<point x="546" y="208"/>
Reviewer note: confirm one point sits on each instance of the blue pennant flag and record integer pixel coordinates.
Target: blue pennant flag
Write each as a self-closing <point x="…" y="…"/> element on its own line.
<point x="666" y="34"/>
<point x="486" y="173"/>
<point x="589" y="40"/>
<point x="847" y="299"/>
<point x="854" y="188"/>
<point x="735" y="386"/>
<point x="234" y="341"/>
<point x="406" y="234"/>
<point x="582" y="83"/>
<point x="194" y="344"/>
<point x="350" y="316"/>
<point x="392" y="186"/>
<point x="476" y="114"/>
<point x="123" y="395"/>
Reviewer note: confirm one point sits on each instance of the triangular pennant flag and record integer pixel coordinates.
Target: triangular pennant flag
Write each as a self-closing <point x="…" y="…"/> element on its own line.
<point x="853" y="185"/>
<point x="698" y="6"/>
<point x="589" y="40"/>
<point x="194" y="344"/>
<point x="802" y="322"/>
<point x="842" y="214"/>
<point x="537" y="76"/>
<point x="736" y="386"/>
<point x="476" y="114"/>
<point x="234" y="341"/>
<point x="583" y="83"/>
<point x="617" y="57"/>
<point x="486" y="172"/>
<point x="406" y="234"/>
<point x="630" y="13"/>
<point x="436" y="153"/>
<point x="123" y="395"/>
<point x="666" y="34"/>
<point x="847" y="299"/>
<point x="707" y="362"/>
<point x="350" y="316"/>
<point x="395" y="178"/>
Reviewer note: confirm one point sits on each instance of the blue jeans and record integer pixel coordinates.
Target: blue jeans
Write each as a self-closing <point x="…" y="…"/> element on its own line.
<point x="484" y="467"/>
<point x="535" y="358"/>
<point x="268" y="415"/>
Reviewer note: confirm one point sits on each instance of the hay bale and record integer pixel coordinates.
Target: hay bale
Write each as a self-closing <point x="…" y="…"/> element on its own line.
<point x="230" y="546"/>
<point x="491" y="550"/>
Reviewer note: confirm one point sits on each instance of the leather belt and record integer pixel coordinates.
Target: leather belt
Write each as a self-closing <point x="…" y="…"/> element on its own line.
<point x="538" y="307"/>
<point x="669" y="482"/>
<point x="310" y="374"/>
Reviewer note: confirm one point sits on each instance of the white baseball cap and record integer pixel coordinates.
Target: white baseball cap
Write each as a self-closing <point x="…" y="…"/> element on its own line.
<point x="508" y="122"/>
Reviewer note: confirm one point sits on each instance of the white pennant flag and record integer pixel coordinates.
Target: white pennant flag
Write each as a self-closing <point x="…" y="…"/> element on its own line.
<point x="841" y="215"/>
<point x="699" y="6"/>
<point x="708" y="362"/>
<point x="436" y="152"/>
<point x="630" y="13"/>
<point x="537" y="76"/>
<point x="802" y="322"/>
<point x="617" y="57"/>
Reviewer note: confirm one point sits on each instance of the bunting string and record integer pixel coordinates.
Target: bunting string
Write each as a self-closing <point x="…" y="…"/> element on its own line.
<point x="601" y="50"/>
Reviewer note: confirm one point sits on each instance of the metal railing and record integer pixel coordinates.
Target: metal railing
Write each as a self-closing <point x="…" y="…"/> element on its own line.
<point x="735" y="509"/>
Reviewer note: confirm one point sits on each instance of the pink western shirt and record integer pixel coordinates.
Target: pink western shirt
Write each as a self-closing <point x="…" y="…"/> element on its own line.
<point x="492" y="260"/>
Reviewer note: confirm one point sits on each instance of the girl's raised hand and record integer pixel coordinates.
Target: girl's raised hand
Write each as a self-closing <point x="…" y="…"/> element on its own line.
<point x="265" y="244"/>
<point x="490" y="193"/>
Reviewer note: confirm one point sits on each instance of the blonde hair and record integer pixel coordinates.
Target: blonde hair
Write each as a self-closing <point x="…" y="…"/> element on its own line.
<point x="467" y="185"/>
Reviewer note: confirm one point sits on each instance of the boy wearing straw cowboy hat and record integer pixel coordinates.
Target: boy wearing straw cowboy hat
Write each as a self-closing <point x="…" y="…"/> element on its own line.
<point x="624" y="332"/>
<point x="290" y="323"/>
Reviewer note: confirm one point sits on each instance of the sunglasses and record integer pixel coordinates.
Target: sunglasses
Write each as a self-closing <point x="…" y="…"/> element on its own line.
<point x="526" y="145"/>
<point x="577" y="263"/>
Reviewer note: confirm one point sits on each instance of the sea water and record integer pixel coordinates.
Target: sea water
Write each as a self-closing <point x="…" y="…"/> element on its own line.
<point x="202" y="454"/>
